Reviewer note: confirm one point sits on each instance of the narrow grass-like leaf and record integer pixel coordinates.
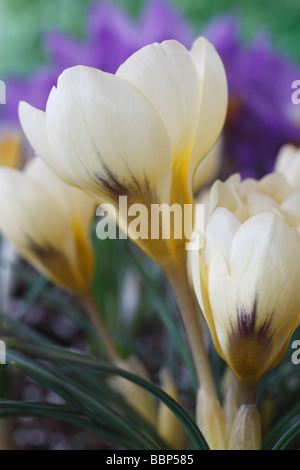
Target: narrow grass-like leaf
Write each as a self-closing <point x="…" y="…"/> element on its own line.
<point x="36" y="289"/>
<point x="55" y="353"/>
<point x="49" y="410"/>
<point x="95" y="385"/>
<point x="60" y="412"/>
<point x="289" y="437"/>
<point x="283" y="423"/>
<point x="78" y="396"/>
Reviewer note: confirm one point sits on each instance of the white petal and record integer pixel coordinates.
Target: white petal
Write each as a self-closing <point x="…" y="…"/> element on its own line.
<point x="219" y="233"/>
<point x="257" y="203"/>
<point x="276" y="186"/>
<point x="198" y="277"/>
<point x="75" y="203"/>
<point x="165" y="74"/>
<point x="288" y="164"/>
<point x="33" y="122"/>
<point x="214" y="99"/>
<point x="291" y="209"/>
<point x="223" y="195"/>
<point x="107" y="134"/>
<point x="209" y="168"/>
<point x="33" y="222"/>
<point x="284" y="158"/>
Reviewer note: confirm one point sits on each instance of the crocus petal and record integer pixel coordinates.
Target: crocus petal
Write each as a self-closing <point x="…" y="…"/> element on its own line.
<point x="291" y="209"/>
<point x="165" y="74"/>
<point x="199" y="279"/>
<point x="276" y="185"/>
<point x="214" y="99"/>
<point x="288" y="164"/>
<point x="109" y="137"/>
<point x="76" y="203"/>
<point x="219" y="233"/>
<point x="223" y="195"/>
<point x="79" y="210"/>
<point x="33" y="122"/>
<point x="257" y="202"/>
<point x="27" y="213"/>
<point x="209" y="168"/>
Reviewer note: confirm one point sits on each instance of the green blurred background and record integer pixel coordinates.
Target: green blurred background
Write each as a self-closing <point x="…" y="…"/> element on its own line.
<point x="23" y="22"/>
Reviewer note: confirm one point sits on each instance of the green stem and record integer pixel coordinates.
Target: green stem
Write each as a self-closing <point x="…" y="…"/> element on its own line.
<point x="185" y="300"/>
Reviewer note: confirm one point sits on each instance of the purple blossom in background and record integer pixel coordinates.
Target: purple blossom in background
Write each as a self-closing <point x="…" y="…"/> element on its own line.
<point x="261" y="116"/>
<point x="111" y="37"/>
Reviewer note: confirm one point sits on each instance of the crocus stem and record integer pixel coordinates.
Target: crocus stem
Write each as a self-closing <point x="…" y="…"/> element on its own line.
<point x="186" y="304"/>
<point x="247" y="393"/>
<point x="246" y="429"/>
<point x="96" y="318"/>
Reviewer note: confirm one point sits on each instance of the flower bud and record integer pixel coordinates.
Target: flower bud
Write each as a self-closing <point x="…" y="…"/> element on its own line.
<point x="211" y="420"/>
<point x="168" y="425"/>
<point x="141" y="400"/>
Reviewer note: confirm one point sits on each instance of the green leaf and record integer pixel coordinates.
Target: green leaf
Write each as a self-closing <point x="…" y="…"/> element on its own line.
<point x="35" y="290"/>
<point x="9" y="408"/>
<point x="92" y="382"/>
<point x="79" y="397"/>
<point x="283" y="423"/>
<point x="58" y="354"/>
<point x="289" y="437"/>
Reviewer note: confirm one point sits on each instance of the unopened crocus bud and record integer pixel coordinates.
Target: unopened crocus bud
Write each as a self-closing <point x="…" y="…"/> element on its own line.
<point x="211" y="420"/>
<point x="138" y="398"/>
<point x="49" y="223"/>
<point x="168" y="425"/>
<point x="246" y="429"/>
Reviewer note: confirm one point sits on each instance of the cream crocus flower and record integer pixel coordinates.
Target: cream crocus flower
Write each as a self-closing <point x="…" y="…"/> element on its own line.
<point x="140" y="133"/>
<point x="49" y="223"/>
<point x="246" y="276"/>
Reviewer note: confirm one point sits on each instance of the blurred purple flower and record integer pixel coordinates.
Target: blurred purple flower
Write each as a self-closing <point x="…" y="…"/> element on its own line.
<point x="261" y="116"/>
<point x="111" y="37"/>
